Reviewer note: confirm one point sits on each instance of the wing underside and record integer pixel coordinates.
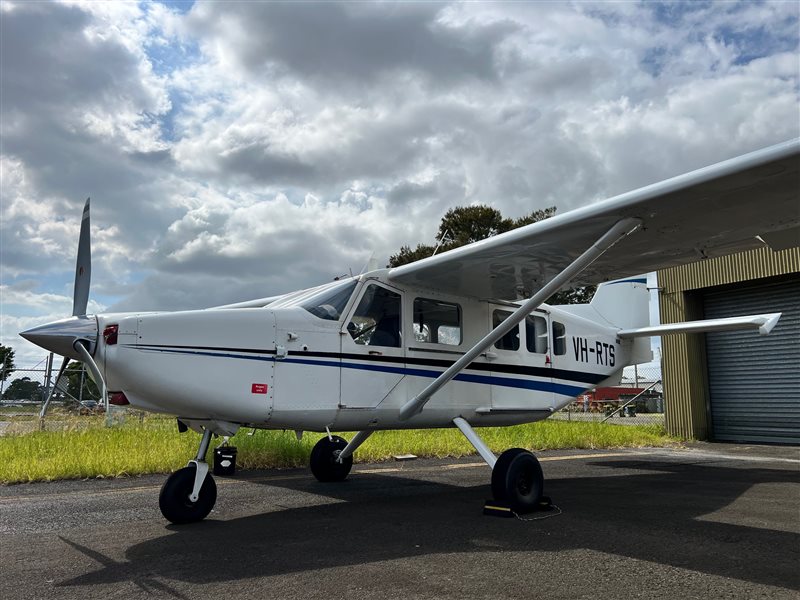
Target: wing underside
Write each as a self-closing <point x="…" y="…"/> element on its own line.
<point x="740" y="204"/>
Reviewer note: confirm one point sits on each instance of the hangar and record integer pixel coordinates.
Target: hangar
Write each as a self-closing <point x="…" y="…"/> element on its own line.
<point x="733" y="386"/>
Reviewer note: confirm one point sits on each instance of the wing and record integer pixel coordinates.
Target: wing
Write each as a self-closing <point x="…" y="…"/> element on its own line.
<point x="710" y="212"/>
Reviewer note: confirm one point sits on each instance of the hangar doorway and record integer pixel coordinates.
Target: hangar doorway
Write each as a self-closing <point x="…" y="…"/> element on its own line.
<point x="754" y="381"/>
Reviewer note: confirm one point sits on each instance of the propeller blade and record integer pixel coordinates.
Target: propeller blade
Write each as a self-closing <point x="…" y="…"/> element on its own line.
<point x="54" y="388"/>
<point x="83" y="267"/>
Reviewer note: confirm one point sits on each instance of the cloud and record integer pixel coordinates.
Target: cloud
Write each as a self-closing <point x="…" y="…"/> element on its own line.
<point x="342" y="43"/>
<point x="23" y="307"/>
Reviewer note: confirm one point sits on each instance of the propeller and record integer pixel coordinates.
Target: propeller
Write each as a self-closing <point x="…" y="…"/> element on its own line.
<point x="73" y="337"/>
<point x="83" y="267"/>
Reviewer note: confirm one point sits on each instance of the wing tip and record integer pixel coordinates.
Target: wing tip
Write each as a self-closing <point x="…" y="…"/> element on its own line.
<point x="769" y="323"/>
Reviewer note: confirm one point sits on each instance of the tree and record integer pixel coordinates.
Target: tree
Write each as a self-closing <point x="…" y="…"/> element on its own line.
<point x="576" y="295"/>
<point x="74" y="374"/>
<point x="7" y="362"/>
<point x="24" y="389"/>
<point x="467" y="224"/>
<point x="535" y="216"/>
<point x="407" y="255"/>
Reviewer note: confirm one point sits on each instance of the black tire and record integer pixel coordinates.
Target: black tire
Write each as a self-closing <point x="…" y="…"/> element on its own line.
<point x="323" y="460"/>
<point x="174" y="497"/>
<point x="517" y="480"/>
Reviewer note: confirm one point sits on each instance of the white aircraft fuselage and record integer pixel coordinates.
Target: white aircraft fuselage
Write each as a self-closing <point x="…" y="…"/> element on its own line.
<point x="283" y="367"/>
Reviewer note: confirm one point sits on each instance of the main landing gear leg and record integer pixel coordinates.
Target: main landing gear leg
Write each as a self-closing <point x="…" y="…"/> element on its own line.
<point x="517" y="480"/>
<point x="189" y="494"/>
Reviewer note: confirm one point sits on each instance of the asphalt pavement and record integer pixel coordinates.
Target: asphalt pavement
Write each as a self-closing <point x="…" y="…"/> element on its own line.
<point x="708" y="521"/>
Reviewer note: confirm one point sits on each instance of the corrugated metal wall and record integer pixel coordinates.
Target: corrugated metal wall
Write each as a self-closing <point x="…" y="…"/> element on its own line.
<point x="754" y="264"/>
<point x="754" y="380"/>
<point x="684" y="366"/>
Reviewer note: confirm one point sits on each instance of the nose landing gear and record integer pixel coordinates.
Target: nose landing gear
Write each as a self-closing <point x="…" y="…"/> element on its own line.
<point x="189" y="494"/>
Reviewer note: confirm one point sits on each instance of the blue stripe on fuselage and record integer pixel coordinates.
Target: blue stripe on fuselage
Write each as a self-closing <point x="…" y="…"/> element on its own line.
<point x="528" y="384"/>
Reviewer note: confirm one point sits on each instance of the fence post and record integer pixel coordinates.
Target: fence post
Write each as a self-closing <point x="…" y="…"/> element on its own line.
<point x="647" y="389"/>
<point x="48" y="372"/>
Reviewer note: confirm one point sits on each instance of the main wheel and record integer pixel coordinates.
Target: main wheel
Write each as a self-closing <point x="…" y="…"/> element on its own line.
<point x="517" y="480"/>
<point x="174" y="497"/>
<point x="324" y="465"/>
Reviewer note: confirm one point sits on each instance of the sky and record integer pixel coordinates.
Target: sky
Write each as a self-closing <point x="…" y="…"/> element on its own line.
<point x="239" y="150"/>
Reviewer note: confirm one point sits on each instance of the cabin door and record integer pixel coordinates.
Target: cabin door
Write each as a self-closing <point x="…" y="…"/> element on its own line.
<point x="520" y="363"/>
<point x="373" y="357"/>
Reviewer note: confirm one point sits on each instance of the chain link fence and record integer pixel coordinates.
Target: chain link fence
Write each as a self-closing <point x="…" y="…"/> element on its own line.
<point x="637" y="400"/>
<point x="24" y="391"/>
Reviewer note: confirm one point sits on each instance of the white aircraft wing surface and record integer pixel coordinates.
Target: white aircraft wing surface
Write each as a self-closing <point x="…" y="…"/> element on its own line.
<point x="710" y="212"/>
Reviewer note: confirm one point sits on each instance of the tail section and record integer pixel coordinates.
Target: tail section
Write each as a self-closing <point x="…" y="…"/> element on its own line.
<point x="624" y="303"/>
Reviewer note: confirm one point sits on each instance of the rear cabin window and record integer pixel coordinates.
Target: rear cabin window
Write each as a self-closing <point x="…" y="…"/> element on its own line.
<point x="509" y="341"/>
<point x="376" y="320"/>
<point x="536" y="334"/>
<point x="437" y="322"/>
<point x="559" y="338"/>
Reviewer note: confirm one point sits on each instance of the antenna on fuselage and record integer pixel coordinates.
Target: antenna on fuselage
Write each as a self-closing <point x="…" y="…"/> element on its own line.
<point x="445" y="238"/>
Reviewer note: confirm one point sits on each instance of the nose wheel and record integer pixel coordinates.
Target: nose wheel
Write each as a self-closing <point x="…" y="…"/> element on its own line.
<point x="175" y="499"/>
<point x="189" y="494"/>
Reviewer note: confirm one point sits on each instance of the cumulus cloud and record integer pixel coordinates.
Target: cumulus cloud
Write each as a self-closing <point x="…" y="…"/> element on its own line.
<point x="339" y="44"/>
<point x="242" y="150"/>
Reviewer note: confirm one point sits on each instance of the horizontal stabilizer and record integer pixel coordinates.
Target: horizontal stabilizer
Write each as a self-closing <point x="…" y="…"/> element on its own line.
<point x="764" y="324"/>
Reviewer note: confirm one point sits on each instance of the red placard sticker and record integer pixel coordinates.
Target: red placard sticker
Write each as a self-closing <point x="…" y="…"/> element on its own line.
<point x="258" y="388"/>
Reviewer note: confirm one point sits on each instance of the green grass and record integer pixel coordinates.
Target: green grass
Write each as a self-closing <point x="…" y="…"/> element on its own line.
<point x="154" y="446"/>
<point x="16" y="411"/>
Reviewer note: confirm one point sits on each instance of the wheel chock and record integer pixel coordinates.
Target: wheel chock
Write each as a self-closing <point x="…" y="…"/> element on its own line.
<point x="493" y="508"/>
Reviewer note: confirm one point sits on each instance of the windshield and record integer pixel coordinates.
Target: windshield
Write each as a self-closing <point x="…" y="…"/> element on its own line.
<point x="330" y="301"/>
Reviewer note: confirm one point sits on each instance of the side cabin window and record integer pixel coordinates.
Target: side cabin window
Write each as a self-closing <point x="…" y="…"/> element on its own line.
<point x="509" y="341"/>
<point x="536" y="334"/>
<point x="559" y="338"/>
<point x="437" y="322"/>
<point x="376" y="320"/>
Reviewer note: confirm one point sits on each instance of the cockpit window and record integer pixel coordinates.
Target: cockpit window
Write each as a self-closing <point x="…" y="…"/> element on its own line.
<point x="376" y="320"/>
<point x="330" y="302"/>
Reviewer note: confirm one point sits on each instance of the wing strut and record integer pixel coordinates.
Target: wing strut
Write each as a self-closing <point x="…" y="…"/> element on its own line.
<point x="620" y="230"/>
